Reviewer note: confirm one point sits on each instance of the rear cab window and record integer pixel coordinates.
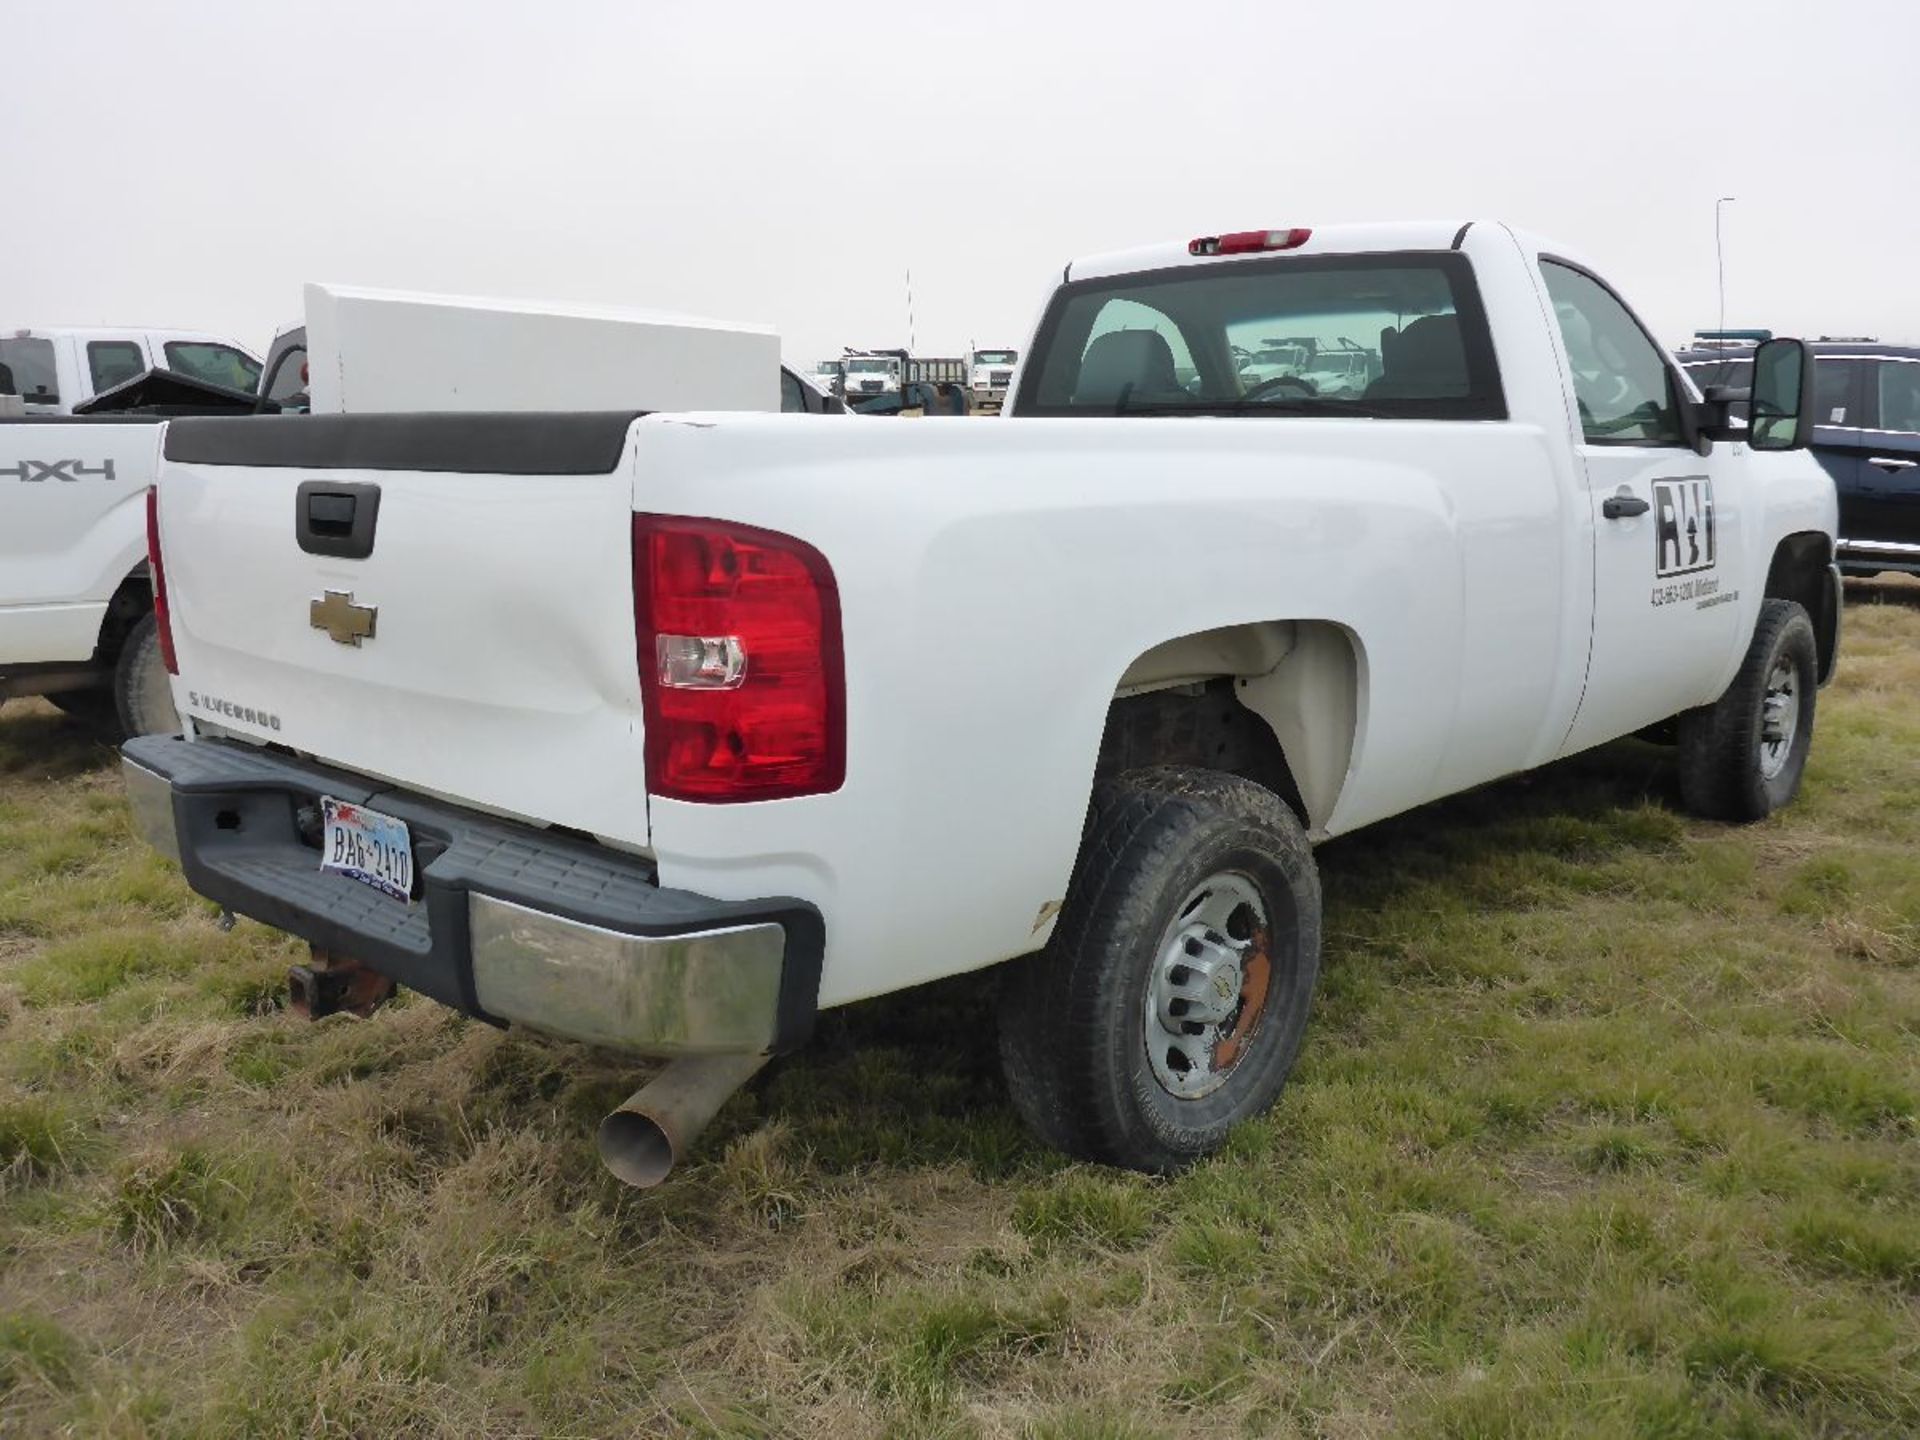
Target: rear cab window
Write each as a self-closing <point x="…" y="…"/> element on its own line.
<point x="214" y="363"/>
<point x="1394" y="335"/>
<point x="28" y="369"/>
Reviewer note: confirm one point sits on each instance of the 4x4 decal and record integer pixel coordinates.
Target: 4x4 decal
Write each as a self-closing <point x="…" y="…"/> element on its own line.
<point x="70" y="470"/>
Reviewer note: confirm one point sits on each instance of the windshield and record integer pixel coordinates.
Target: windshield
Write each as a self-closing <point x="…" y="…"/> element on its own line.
<point x="26" y="370"/>
<point x="1409" y="331"/>
<point x="871" y="367"/>
<point x="995" y="357"/>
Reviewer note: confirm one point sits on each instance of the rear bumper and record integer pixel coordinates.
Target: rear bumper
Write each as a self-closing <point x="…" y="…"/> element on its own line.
<point x="510" y="923"/>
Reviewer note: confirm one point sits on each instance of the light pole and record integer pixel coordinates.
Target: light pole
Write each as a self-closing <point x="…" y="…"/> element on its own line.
<point x="1720" y="255"/>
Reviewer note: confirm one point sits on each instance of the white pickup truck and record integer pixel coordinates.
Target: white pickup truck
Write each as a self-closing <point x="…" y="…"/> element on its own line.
<point x="54" y="369"/>
<point x="667" y="731"/>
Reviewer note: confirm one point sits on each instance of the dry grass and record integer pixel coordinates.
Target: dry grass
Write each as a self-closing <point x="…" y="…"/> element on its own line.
<point x="1607" y="1126"/>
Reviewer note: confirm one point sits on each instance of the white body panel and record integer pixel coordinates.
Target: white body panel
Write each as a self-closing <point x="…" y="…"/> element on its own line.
<point x="519" y="641"/>
<point x="72" y="534"/>
<point x="375" y="350"/>
<point x="997" y="582"/>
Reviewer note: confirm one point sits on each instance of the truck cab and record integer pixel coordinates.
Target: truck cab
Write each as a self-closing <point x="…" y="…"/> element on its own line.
<point x="53" y="369"/>
<point x="870" y="376"/>
<point x="989" y="373"/>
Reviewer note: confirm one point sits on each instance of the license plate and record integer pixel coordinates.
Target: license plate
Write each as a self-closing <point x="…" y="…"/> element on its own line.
<point x="372" y="848"/>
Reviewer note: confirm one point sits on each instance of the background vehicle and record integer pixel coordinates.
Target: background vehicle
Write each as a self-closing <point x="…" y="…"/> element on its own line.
<point x="1275" y="358"/>
<point x="283" y="375"/>
<point x="75" y="593"/>
<point x="869" y="375"/>
<point x="830" y="375"/>
<point x="878" y="374"/>
<point x="1343" y="368"/>
<point x="1866" y="435"/>
<point x="76" y="601"/>
<point x="989" y="372"/>
<point x="53" y="369"/>
<point x="817" y="712"/>
<point x="801" y="395"/>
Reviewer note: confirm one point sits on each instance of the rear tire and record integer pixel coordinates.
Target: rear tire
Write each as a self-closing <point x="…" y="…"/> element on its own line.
<point x="1171" y="1001"/>
<point x="1741" y="757"/>
<point x="142" y="696"/>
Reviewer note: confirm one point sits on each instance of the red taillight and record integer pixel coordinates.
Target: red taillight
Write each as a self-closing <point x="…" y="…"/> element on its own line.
<point x="741" y="671"/>
<point x="1248" y="242"/>
<point x="157" y="572"/>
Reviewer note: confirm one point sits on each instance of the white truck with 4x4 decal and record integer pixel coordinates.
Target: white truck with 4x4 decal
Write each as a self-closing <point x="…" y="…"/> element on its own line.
<point x="667" y="731"/>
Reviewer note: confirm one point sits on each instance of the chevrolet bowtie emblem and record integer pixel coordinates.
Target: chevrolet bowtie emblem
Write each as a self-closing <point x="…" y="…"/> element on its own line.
<point x="345" y="621"/>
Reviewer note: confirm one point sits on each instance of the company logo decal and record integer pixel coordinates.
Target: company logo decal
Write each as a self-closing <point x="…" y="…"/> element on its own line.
<point x="1683" y="533"/>
<point x="214" y="705"/>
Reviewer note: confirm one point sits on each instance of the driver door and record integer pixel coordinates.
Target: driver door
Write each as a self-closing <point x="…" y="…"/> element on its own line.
<point x="1667" y="522"/>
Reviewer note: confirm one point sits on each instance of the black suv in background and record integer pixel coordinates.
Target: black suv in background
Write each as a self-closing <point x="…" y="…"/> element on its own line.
<point x="1866" y="433"/>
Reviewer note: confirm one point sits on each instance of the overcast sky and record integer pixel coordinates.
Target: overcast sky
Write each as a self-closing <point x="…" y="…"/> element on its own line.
<point x="775" y="162"/>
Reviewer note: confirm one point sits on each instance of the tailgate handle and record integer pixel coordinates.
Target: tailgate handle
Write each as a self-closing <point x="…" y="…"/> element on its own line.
<point x="336" y="518"/>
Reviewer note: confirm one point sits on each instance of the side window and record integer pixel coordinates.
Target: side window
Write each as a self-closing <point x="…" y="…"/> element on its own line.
<point x="27" y="370"/>
<point x="1899" y="392"/>
<point x="1620" y="377"/>
<point x="792" y="397"/>
<point x="112" y="362"/>
<point x="1833" y="402"/>
<point x="214" y="363"/>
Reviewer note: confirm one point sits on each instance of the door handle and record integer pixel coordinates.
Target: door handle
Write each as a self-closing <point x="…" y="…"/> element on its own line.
<point x="1623" y="505"/>
<point x="1892" y="462"/>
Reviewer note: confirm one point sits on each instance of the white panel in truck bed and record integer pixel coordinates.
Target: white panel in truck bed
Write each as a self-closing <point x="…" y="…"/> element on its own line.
<point x="387" y="350"/>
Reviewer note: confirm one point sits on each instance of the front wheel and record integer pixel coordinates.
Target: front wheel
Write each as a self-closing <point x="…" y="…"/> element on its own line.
<point x="1171" y="1002"/>
<point x="1741" y="757"/>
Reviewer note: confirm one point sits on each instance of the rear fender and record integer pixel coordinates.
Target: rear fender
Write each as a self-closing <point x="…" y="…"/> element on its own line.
<point x="1302" y="678"/>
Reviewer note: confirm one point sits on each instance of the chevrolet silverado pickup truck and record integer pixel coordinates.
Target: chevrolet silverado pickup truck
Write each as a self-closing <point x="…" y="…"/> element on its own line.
<point x="668" y="731"/>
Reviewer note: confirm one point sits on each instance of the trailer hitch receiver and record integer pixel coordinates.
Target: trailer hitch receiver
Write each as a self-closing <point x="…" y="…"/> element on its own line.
<point x="330" y="983"/>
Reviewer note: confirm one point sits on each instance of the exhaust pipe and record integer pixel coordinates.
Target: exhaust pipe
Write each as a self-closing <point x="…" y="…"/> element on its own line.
<point x="656" y="1126"/>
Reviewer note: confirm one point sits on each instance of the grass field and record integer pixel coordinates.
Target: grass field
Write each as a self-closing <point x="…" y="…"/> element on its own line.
<point x="1608" y="1125"/>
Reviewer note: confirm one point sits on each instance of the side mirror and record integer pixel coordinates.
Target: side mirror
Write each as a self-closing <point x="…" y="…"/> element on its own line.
<point x="1780" y="408"/>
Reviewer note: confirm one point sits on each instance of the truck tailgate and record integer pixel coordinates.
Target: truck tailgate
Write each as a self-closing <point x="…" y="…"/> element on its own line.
<point x="483" y="647"/>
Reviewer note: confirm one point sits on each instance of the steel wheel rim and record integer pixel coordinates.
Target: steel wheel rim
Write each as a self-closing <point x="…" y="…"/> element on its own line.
<point x="1207" y="991"/>
<point x="1779" y="718"/>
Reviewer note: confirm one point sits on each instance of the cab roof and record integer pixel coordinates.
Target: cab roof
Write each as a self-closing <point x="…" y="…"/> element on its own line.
<point x="1324" y="240"/>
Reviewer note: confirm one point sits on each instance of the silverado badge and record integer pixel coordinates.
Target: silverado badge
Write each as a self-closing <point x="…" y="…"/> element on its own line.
<point x="345" y="621"/>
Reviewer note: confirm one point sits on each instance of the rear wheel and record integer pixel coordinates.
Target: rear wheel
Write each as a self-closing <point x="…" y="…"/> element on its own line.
<point x="142" y="696"/>
<point x="1741" y="757"/>
<point x="1172" y="1000"/>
